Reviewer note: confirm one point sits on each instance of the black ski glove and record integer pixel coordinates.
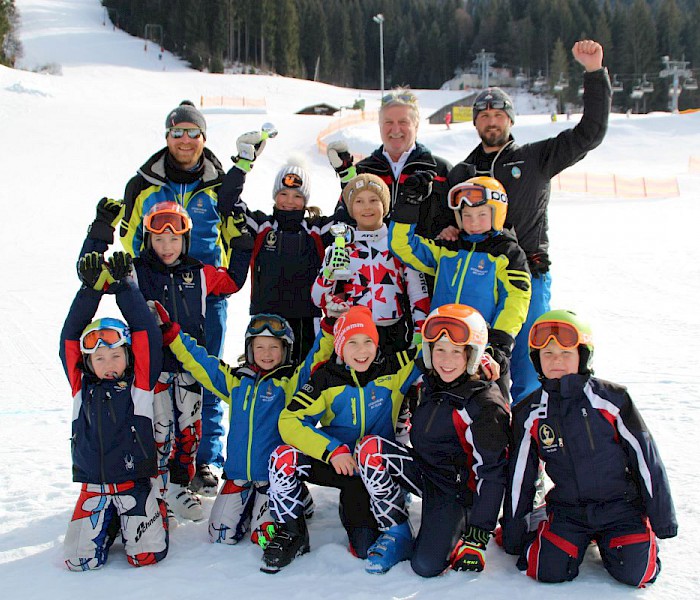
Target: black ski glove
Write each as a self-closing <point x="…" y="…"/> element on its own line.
<point x="119" y="265"/>
<point x="470" y="552"/>
<point x="539" y="263"/>
<point x="108" y="214"/>
<point x="418" y="187"/>
<point x="92" y="272"/>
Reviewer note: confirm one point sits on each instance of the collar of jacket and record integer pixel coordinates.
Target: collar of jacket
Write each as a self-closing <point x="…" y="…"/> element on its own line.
<point x="153" y="170"/>
<point x="567" y="386"/>
<point x="288" y="220"/>
<point x="457" y="392"/>
<point x="369" y="237"/>
<point x="344" y="372"/>
<point x="420" y="156"/>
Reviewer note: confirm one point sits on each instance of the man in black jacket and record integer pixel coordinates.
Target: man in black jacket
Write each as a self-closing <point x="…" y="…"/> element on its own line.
<point x="525" y="171"/>
<point x="399" y="156"/>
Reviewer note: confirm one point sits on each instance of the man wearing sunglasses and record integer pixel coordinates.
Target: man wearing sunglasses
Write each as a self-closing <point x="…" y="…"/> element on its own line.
<point x="187" y="172"/>
<point x="525" y="172"/>
<point x="399" y="156"/>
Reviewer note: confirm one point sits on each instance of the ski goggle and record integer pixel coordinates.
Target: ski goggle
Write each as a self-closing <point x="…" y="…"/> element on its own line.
<point x="492" y="104"/>
<point x="110" y="337"/>
<point x="272" y="323"/>
<point x="177" y="222"/>
<point x="403" y="97"/>
<point x="564" y="334"/>
<point x="192" y="132"/>
<point x="456" y="330"/>
<point x="469" y="194"/>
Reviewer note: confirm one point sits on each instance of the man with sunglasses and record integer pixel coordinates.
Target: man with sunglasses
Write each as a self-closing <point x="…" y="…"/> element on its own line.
<point x="525" y="172"/>
<point x="187" y="172"/>
<point x="399" y="156"/>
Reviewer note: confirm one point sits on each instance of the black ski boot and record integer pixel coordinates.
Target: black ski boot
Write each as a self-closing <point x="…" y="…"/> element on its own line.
<point x="290" y="541"/>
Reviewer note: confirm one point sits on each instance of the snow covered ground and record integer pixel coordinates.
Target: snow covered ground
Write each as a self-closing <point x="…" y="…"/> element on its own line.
<point x="630" y="266"/>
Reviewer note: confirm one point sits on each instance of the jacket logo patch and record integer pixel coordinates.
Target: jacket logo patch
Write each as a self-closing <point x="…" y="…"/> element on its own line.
<point x="516" y="172"/>
<point x="121" y="386"/>
<point x="129" y="462"/>
<point x="479" y="269"/>
<point x="269" y="394"/>
<point x="547" y="436"/>
<point x="188" y="277"/>
<point x="271" y="239"/>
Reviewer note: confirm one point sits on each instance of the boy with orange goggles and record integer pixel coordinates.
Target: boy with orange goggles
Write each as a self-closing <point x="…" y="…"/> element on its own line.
<point x="610" y="485"/>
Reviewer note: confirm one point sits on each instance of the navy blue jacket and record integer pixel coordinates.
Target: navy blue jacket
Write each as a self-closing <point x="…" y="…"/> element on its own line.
<point x="460" y="433"/>
<point x="596" y="449"/>
<point x="112" y="430"/>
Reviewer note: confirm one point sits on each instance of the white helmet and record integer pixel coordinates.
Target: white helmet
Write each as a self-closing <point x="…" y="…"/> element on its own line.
<point x="463" y="326"/>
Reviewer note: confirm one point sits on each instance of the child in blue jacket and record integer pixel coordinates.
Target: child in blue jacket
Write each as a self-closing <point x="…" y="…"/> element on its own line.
<point x="610" y="485"/>
<point x="484" y="268"/>
<point x="112" y="368"/>
<point x="257" y="393"/>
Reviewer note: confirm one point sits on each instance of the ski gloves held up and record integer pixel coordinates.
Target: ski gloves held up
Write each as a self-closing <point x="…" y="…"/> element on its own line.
<point x="249" y="146"/>
<point x="99" y="275"/>
<point x="108" y="214"/>
<point x="341" y="160"/>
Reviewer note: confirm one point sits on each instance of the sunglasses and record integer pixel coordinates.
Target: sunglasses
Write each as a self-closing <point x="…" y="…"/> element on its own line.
<point x="192" y="132"/>
<point x="402" y="97"/>
<point x="457" y="331"/>
<point x="109" y="337"/>
<point x="564" y="334"/>
<point x="176" y="222"/>
<point x="272" y="323"/>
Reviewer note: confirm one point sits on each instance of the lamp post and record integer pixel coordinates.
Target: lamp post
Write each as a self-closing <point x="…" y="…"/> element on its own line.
<point x="380" y="19"/>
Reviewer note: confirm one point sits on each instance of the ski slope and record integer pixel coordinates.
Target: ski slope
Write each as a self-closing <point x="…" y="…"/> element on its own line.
<point x="630" y="266"/>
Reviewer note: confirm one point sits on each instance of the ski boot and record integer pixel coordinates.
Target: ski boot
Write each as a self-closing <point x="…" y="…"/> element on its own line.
<point x="291" y="540"/>
<point x="393" y="545"/>
<point x="205" y="482"/>
<point x="184" y="503"/>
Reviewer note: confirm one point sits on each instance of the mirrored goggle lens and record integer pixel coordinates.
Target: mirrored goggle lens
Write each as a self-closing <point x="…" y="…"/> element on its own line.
<point x="403" y="97"/>
<point x="493" y="104"/>
<point x="565" y="334"/>
<point x="192" y="132"/>
<point x="273" y="324"/>
<point x="456" y="330"/>
<point x="101" y="337"/>
<point x="473" y="195"/>
<point x="159" y="222"/>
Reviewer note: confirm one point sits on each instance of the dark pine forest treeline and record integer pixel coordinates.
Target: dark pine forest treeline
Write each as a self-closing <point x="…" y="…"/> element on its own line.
<point x="425" y="41"/>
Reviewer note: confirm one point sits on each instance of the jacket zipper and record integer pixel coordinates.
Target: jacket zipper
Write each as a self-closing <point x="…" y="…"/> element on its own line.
<point x="102" y="446"/>
<point x="110" y="408"/>
<point x="174" y="316"/>
<point x="138" y="441"/>
<point x="438" y="402"/>
<point x="250" y="426"/>
<point x="464" y="272"/>
<point x="560" y="439"/>
<point x="454" y="278"/>
<point x="584" y="412"/>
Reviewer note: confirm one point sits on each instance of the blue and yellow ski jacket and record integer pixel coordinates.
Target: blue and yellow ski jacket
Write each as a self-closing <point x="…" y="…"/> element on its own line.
<point x="347" y="404"/>
<point x="256" y="401"/>
<point x="488" y="271"/>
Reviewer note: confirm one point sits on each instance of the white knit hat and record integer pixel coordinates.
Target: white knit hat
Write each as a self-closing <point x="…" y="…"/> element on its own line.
<point x="295" y="176"/>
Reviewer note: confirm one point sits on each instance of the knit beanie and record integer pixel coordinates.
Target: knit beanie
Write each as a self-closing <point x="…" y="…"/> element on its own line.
<point x="186" y="113"/>
<point x="358" y="319"/>
<point x="488" y="97"/>
<point x="362" y="183"/>
<point x="293" y="176"/>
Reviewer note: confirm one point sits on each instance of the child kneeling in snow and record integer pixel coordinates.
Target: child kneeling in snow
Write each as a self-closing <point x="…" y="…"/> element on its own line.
<point x="610" y="485"/>
<point x="457" y="462"/>
<point x="257" y="393"/>
<point x="113" y="368"/>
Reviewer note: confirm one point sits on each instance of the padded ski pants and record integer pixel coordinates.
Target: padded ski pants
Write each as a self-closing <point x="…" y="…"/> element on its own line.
<point x="288" y="468"/>
<point x="628" y="548"/>
<point x="177" y="426"/>
<point x="241" y="506"/>
<point x="102" y="510"/>
<point x="388" y="469"/>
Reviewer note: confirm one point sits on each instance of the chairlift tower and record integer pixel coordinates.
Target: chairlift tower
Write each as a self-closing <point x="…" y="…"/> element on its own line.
<point x="675" y="69"/>
<point x="483" y="61"/>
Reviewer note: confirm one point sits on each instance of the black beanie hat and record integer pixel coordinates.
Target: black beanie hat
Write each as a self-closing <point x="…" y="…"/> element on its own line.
<point x="186" y="113"/>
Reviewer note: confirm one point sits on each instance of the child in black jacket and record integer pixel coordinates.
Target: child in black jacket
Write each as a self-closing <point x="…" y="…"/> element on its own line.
<point x="610" y="485"/>
<point x="457" y="463"/>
